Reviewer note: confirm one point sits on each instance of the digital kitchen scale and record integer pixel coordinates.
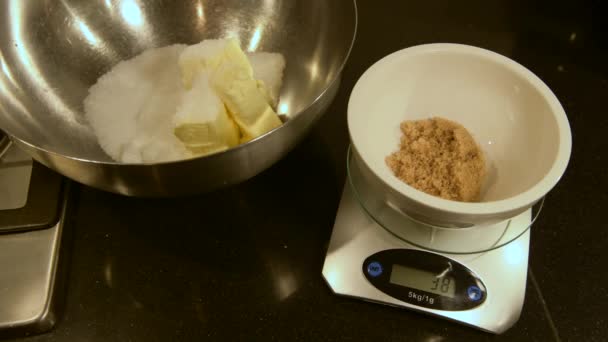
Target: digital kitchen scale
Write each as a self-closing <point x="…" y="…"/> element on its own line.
<point x="475" y="276"/>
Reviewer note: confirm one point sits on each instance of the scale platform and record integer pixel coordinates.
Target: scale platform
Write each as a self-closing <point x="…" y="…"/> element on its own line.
<point x="473" y="277"/>
<point x="32" y="211"/>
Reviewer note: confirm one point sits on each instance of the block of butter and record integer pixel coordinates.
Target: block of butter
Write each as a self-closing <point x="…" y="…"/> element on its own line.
<point x="268" y="71"/>
<point x="201" y="122"/>
<point x="231" y="76"/>
<point x="243" y="97"/>
<point x="207" y="55"/>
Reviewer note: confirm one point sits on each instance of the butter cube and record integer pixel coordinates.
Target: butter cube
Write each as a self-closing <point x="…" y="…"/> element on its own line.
<point x="201" y="122"/>
<point x="208" y="55"/>
<point x="268" y="69"/>
<point x="245" y="101"/>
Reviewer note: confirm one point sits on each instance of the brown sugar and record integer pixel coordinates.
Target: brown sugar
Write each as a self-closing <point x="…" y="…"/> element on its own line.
<point x="439" y="157"/>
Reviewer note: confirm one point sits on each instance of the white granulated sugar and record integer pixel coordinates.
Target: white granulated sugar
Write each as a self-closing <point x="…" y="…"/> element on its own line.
<point x="131" y="108"/>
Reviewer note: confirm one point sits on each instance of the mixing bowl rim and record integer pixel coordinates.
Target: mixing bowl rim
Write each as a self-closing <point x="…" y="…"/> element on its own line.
<point x="235" y="149"/>
<point x="522" y="200"/>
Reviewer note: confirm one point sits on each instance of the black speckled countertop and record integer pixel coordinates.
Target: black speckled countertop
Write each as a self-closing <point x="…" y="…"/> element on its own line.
<point x="183" y="269"/>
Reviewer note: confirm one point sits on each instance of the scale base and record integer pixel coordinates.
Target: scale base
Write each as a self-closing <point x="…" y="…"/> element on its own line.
<point x="33" y="209"/>
<point x="356" y="236"/>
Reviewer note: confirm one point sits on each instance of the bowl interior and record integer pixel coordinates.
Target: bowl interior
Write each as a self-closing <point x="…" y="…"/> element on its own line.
<point x="51" y="52"/>
<point x="505" y="109"/>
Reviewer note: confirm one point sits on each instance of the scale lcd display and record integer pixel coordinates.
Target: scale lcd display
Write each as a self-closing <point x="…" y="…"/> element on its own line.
<point x="422" y="280"/>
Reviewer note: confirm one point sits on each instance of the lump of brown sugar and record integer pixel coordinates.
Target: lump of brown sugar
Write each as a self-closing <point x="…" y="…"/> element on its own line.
<point x="439" y="157"/>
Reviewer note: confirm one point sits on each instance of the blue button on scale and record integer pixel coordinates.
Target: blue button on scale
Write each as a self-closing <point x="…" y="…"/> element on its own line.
<point x="474" y="293"/>
<point x="374" y="269"/>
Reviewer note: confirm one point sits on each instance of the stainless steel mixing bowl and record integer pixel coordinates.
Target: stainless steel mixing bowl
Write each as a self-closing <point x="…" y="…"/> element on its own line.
<point x="52" y="51"/>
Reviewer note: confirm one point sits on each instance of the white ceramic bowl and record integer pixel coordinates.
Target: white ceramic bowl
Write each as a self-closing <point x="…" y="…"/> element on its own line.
<point x="518" y="122"/>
